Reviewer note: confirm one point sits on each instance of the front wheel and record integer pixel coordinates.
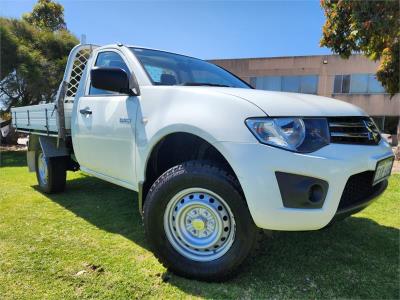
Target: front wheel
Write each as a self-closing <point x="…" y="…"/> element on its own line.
<point x="51" y="172"/>
<point x="198" y="223"/>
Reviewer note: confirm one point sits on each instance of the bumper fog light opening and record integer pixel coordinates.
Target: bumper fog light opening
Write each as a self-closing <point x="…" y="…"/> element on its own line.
<point x="315" y="193"/>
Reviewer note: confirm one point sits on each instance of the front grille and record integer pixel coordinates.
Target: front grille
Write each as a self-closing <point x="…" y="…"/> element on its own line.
<point x="353" y="130"/>
<point x="358" y="188"/>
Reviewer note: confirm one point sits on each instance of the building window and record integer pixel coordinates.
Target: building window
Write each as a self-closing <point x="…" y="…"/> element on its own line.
<point x="374" y="86"/>
<point x="357" y="84"/>
<point x="307" y="84"/>
<point x="291" y="84"/>
<point x="341" y="84"/>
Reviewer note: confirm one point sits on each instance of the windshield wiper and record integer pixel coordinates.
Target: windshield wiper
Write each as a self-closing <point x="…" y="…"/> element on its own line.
<point x="203" y="84"/>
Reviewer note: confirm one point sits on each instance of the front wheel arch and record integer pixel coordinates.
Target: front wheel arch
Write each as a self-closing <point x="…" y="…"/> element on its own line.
<point x="165" y="155"/>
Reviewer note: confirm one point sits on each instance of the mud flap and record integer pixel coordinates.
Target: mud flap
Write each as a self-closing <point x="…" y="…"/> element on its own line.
<point x="48" y="146"/>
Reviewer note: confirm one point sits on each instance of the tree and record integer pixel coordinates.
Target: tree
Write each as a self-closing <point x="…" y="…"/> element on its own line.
<point x="46" y="15"/>
<point x="369" y="27"/>
<point x="33" y="57"/>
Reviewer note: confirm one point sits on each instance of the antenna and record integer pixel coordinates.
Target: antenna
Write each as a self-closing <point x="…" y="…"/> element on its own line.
<point x="83" y="39"/>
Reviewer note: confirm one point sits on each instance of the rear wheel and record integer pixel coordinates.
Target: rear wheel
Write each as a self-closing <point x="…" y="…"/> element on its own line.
<point x="198" y="223"/>
<point x="51" y="172"/>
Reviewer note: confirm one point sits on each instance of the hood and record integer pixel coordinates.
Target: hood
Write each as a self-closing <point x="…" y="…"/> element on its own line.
<point x="293" y="104"/>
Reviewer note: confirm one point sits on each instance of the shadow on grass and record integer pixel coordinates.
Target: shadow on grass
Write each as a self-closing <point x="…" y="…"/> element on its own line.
<point x="12" y="158"/>
<point x="355" y="258"/>
<point x="105" y="205"/>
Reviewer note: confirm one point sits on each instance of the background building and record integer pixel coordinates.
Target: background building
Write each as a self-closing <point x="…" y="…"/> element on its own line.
<point x="351" y="80"/>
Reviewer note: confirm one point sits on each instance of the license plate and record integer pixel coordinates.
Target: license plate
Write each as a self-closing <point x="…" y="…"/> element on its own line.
<point x="383" y="169"/>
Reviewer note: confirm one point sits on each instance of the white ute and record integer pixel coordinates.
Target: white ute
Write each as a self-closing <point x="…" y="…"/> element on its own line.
<point x="212" y="159"/>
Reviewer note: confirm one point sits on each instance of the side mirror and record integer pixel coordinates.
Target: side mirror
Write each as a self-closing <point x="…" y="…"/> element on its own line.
<point x="113" y="79"/>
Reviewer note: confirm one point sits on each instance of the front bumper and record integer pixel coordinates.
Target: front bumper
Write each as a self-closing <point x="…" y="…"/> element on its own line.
<point x="256" y="165"/>
<point x="357" y="206"/>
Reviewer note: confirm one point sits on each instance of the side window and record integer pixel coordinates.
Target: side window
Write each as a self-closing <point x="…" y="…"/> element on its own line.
<point x="161" y="76"/>
<point x="108" y="59"/>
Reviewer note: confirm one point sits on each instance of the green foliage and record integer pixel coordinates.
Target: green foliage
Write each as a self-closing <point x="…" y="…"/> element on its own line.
<point x="46" y="15"/>
<point x="8" y="49"/>
<point x="369" y="27"/>
<point x="32" y="59"/>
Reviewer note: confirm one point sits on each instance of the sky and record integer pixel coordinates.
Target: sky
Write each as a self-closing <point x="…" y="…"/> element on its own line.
<point x="204" y="29"/>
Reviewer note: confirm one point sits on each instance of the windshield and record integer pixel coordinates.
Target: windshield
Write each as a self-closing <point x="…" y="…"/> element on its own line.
<point x="166" y="68"/>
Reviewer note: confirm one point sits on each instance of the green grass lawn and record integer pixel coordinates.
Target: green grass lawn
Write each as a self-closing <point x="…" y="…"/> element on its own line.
<point x="89" y="243"/>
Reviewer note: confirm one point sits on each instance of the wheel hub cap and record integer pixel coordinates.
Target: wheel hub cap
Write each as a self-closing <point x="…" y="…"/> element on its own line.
<point x="199" y="224"/>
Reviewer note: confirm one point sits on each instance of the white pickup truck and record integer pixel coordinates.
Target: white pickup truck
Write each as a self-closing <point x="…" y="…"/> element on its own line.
<point x="212" y="159"/>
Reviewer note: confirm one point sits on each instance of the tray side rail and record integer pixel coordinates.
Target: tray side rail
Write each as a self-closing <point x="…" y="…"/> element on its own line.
<point x="40" y="119"/>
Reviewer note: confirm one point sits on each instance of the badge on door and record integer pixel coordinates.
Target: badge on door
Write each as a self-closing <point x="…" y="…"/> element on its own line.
<point x="125" y="120"/>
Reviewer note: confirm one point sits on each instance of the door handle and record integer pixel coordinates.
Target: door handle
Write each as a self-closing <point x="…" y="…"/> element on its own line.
<point x="86" y="111"/>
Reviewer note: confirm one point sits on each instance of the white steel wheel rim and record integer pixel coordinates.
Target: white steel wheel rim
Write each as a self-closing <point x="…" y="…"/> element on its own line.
<point x="199" y="224"/>
<point x="42" y="168"/>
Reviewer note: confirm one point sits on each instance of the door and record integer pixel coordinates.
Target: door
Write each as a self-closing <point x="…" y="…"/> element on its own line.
<point x="104" y="137"/>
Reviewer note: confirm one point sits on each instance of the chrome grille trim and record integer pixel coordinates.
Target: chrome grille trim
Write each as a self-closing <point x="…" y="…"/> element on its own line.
<point x="344" y="124"/>
<point x="350" y="135"/>
<point x="353" y="130"/>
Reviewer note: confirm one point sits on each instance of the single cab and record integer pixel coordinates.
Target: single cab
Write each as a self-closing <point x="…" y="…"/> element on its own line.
<point x="212" y="159"/>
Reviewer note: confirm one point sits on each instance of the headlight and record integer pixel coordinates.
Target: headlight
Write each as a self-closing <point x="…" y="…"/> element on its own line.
<point x="295" y="134"/>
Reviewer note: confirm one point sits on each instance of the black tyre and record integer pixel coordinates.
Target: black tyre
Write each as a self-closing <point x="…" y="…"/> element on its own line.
<point x="51" y="172"/>
<point x="197" y="222"/>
